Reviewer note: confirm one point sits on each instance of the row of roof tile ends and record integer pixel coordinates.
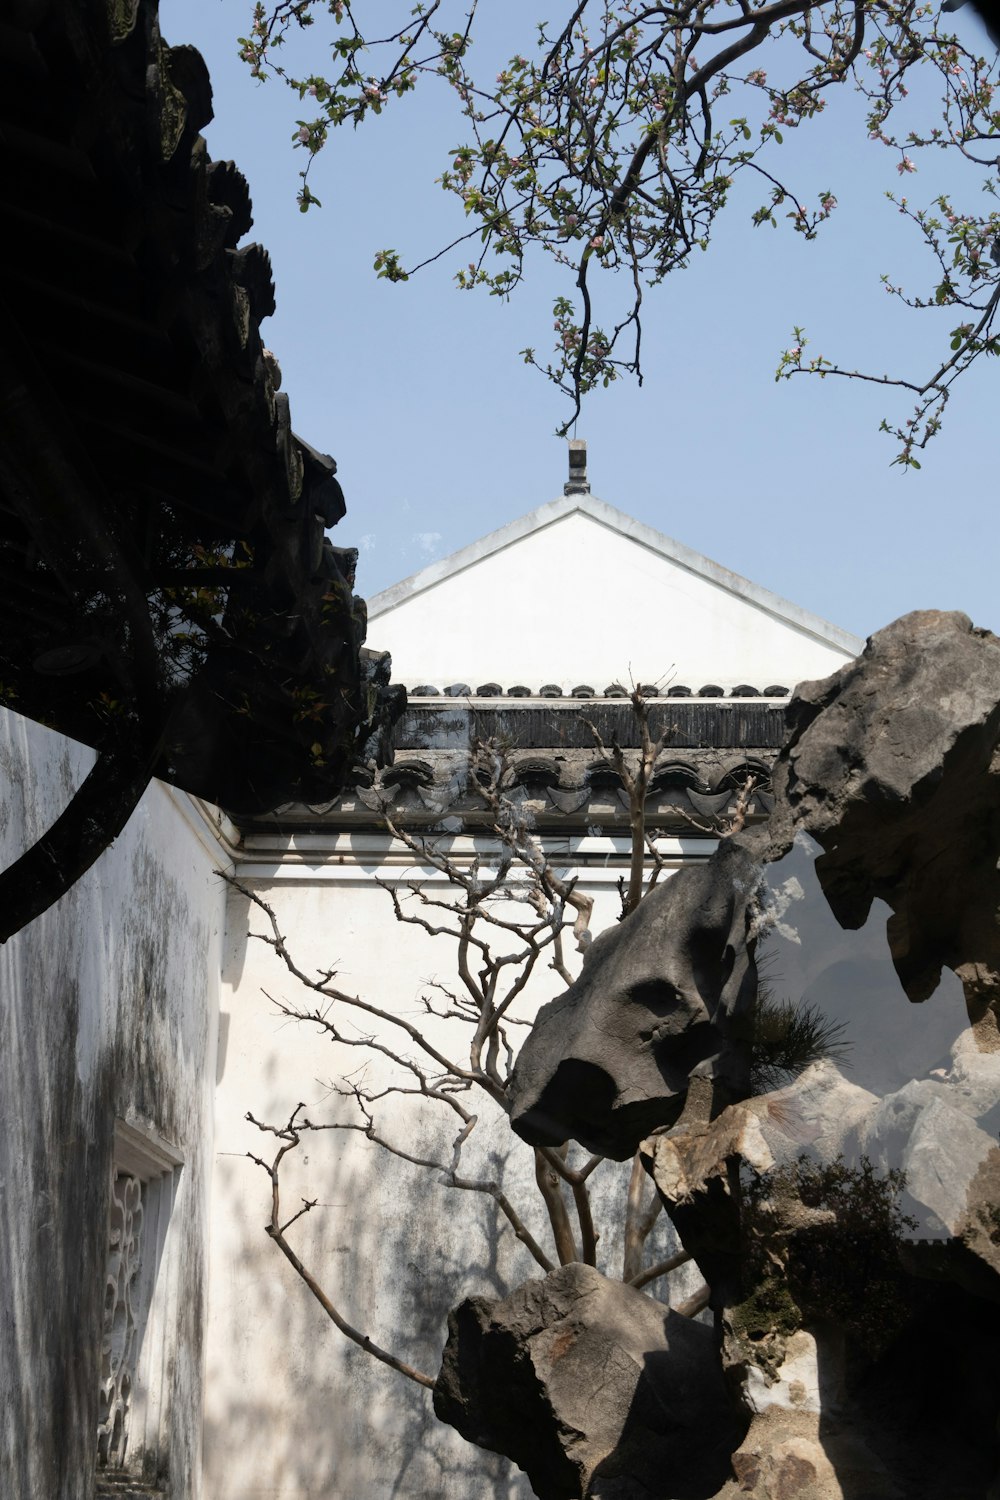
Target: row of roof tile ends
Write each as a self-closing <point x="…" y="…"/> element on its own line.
<point x="583" y="690"/>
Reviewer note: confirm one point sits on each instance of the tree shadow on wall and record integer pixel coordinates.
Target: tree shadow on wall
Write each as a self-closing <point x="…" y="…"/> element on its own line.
<point x="306" y="1414"/>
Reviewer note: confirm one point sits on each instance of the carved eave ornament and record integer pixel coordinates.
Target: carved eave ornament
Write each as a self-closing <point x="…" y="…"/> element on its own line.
<point x="561" y="792"/>
<point x="168" y="594"/>
<point x="555" y="768"/>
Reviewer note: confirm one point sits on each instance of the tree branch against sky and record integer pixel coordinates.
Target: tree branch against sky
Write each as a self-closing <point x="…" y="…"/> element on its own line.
<point x="613" y="140"/>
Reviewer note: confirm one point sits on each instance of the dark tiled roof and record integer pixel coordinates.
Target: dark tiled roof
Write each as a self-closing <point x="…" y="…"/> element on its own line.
<point x="149" y="475"/>
<point x="167" y="594"/>
<point x="576" y="788"/>
<point x="584" y="690"/>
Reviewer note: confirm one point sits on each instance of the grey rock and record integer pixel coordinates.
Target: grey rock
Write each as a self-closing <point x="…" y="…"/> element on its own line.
<point x="659" y="1000"/>
<point x="939" y="1148"/>
<point x="790" y="1203"/>
<point x="973" y="1082"/>
<point x="890" y="766"/>
<point x="592" y="1388"/>
<point x="701" y="1170"/>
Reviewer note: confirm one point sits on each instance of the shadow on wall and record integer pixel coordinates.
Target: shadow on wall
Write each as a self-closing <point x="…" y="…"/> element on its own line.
<point x="53" y="1188"/>
<point x="103" y="1015"/>
<point x="51" y="1182"/>
<point x="295" y="1411"/>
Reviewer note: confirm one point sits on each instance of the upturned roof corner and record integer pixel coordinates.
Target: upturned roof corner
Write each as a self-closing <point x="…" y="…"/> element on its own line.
<point x="169" y="596"/>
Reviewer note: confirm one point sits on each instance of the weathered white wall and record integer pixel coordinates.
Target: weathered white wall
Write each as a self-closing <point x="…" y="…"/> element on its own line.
<point x="294" y="1411"/>
<point x="578" y="601"/>
<point x="108" y="1009"/>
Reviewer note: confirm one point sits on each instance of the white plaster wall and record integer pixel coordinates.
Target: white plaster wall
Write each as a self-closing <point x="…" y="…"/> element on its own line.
<point x="295" y="1412"/>
<point x="579" y="602"/>
<point x="108" y="1009"/>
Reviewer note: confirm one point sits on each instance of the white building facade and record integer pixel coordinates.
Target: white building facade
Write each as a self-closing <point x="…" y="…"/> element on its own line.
<point x="143" y="1002"/>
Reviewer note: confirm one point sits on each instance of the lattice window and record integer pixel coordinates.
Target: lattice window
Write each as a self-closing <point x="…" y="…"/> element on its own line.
<point x="121" y="1334"/>
<point x="143" y="1182"/>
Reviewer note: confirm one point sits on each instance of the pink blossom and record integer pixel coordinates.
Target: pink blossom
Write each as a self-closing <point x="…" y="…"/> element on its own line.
<point x="597" y="243"/>
<point x="906" y="165"/>
<point x="304" y="134"/>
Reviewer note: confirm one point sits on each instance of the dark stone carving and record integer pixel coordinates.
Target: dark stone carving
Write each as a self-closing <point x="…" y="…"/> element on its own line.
<point x="591" y="1388"/>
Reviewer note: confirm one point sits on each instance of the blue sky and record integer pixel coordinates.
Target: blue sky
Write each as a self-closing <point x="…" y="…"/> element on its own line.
<point x="442" y="434"/>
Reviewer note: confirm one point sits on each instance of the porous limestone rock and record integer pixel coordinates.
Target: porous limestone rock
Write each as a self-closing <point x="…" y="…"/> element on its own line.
<point x="659" y="1001"/>
<point x="592" y="1388"/>
<point x="786" y="1455"/>
<point x="850" y="1236"/>
<point x="892" y="765"/>
<point x="703" y="1169"/>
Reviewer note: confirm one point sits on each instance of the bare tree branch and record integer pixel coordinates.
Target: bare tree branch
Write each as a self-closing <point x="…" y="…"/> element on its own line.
<point x="276" y="1231"/>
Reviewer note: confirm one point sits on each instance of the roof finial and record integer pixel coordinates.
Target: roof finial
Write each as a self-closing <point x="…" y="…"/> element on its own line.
<point x="578" y="483"/>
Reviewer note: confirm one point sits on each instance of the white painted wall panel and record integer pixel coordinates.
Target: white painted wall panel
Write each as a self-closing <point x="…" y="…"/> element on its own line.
<point x="294" y="1411"/>
<point x="576" y="601"/>
<point x="108" y="1009"/>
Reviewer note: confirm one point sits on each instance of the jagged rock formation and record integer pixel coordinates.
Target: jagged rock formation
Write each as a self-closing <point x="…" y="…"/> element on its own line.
<point x="848" y="1222"/>
<point x="891" y="765"/>
<point x="591" y="1388"/>
<point x="659" y="1002"/>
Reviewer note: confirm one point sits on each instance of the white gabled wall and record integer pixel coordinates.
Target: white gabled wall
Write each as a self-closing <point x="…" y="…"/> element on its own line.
<point x="576" y="599"/>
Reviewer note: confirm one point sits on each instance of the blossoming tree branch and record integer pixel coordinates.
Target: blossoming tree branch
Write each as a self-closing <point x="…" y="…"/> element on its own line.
<point x="612" y="142"/>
